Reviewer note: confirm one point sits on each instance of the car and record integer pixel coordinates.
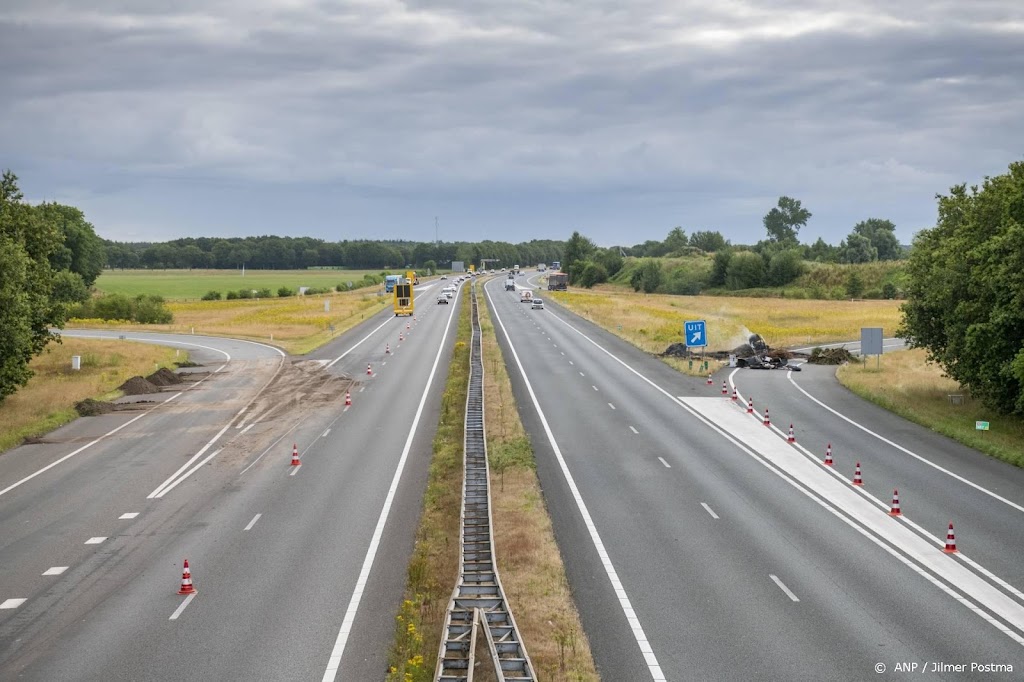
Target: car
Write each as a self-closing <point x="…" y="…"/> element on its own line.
<point x="444" y="276"/>
<point x="443" y="298"/>
<point x="537" y="304"/>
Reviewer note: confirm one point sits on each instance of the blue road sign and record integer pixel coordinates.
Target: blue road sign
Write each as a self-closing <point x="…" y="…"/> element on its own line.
<point x="696" y="333"/>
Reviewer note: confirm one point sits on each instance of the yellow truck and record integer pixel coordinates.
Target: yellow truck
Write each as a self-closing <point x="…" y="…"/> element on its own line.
<point x="403" y="302"/>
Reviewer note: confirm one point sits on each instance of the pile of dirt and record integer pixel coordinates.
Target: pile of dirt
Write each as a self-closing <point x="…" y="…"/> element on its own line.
<point x="676" y="350"/>
<point x="830" y="356"/>
<point x="138" y="386"/>
<point x="163" y="377"/>
<point x="188" y="363"/>
<point x="91" y="408"/>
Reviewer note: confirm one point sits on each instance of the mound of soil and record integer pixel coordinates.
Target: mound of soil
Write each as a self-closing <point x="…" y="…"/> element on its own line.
<point x="676" y="350"/>
<point x="163" y="377"/>
<point x="830" y="356"/>
<point x="91" y="408"/>
<point x="188" y="363"/>
<point x="138" y="386"/>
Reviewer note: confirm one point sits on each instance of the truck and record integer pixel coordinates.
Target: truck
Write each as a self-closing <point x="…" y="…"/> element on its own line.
<point x="558" y="281"/>
<point x="541" y="267"/>
<point x="510" y="284"/>
<point x="556" y="265"/>
<point x="390" y="281"/>
<point x="515" y="268"/>
<point x="403" y="303"/>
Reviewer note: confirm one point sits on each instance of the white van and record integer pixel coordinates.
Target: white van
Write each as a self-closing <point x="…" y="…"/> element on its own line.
<point x="525" y="296"/>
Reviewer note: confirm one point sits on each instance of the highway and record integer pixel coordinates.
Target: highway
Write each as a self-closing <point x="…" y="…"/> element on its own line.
<point x="700" y="544"/>
<point x="299" y="570"/>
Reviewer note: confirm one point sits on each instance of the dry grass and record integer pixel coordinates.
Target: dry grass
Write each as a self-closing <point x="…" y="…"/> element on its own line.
<point x="916" y="390"/>
<point x="653" y="321"/>
<point x="49" y="398"/>
<point x="297" y="324"/>
<point x="528" y="558"/>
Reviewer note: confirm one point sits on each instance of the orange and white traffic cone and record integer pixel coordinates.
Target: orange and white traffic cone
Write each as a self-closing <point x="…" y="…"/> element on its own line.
<point x="725" y="390"/>
<point x="750" y="406"/>
<point x="400" y="338"/>
<point x="186" y="581"/>
<point x="408" y="325"/>
<point x="369" y="370"/>
<point x="857" y="478"/>
<point x="735" y="393"/>
<point x="387" y="348"/>
<point x="950" y="540"/>
<point x="828" y="455"/>
<point x="766" y="421"/>
<point x="710" y="382"/>
<point x="348" y="399"/>
<point x="792" y="436"/>
<point x="295" y="456"/>
<point x="895" y="510"/>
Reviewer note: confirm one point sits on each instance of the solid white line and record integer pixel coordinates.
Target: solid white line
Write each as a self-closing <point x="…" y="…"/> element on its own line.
<point x="783" y="587"/>
<point x="709" y="510"/>
<point x="246" y="429"/>
<point x="634" y="430"/>
<point x="128" y="515"/>
<point x="12" y="603"/>
<point x="55" y="570"/>
<point x="160" y="489"/>
<point x="253" y="522"/>
<point x="324" y="435"/>
<point x="611" y="406"/>
<point x="909" y="452"/>
<point x="358" y="343"/>
<point x="188" y="473"/>
<point x="334" y="662"/>
<point x="295" y="469"/>
<point x="177" y="611"/>
<point x="95" y="540"/>
<point x="624" y="603"/>
<point x="72" y="454"/>
<point x="662" y="460"/>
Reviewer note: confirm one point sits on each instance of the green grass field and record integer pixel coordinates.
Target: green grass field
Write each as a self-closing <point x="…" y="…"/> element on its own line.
<point x="177" y="285"/>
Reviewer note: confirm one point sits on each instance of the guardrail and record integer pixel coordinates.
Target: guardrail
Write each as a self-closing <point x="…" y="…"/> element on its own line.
<point x="478" y="606"/>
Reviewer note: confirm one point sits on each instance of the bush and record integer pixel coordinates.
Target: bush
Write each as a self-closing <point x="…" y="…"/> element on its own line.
<point x="889" y="290"/>
<point x="151" y="310"/>
<point x="243" y="293"/>
<point x="142" y="309"/>
<point x="591" y="274"/>
<point x="263" y="293"/>
<point x="211" y="296"/>
<point x="313" y="291"/>
<point x="285" y="292"/>
<point x="232" y="296"/>
<point x="745" y="271"/>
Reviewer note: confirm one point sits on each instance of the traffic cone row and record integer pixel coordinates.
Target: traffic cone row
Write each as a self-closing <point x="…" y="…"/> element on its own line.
<point x="186" y="580"/>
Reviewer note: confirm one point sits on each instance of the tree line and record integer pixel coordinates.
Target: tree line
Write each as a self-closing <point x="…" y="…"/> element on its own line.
<point x="291" y="253"/>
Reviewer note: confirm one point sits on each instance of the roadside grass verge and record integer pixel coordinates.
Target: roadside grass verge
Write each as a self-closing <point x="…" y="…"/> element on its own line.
<point x="435" y="560"/>
<point x="653" y="321"/>
<point x="49" y="398"/>
<point x="529" y="561"/>
<point x="909" y="386"/>
<point x="193" y="284"/>
<point x="297" y="324"/>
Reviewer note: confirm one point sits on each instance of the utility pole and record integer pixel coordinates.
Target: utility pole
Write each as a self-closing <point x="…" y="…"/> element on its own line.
<point x="436" y="240"/>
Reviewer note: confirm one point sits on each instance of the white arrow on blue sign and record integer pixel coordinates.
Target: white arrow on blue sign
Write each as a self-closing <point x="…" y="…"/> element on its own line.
<point x="696" y="333"/>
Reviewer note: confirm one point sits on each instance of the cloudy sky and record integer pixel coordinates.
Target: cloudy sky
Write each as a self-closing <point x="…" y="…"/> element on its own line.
<point x="506" y="119"/>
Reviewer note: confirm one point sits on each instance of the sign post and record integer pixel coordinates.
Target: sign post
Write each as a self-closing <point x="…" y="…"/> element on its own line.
<point x="871" y="343"/>
<point x="695" y="334"/>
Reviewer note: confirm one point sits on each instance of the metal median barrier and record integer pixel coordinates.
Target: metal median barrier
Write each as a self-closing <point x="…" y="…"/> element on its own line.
<point x="478" y="616"/>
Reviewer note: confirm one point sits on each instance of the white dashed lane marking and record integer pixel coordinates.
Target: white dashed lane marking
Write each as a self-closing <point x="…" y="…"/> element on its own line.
<point x="12" y="603"/>
<point x="128" y="515"/>
<point x="95" y="541"/>
<point x="662" y="460"/>
<point x="55" y="570"/>
<point x="709" y="510"/>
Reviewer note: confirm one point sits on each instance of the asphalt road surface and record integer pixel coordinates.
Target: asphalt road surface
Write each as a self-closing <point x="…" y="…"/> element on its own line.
<point x="700" y="544"/>
<point x="299" y="570"/>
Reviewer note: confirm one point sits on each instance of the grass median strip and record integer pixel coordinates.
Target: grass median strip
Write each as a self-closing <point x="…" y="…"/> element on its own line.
<point x="528" y="559"/>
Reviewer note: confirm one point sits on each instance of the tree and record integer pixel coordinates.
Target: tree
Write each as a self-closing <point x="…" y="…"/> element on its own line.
<point x="854" y="284"/>
<point x="676" y="241"/>
<point x="708" y="241"/>
<point x="592" y="273"/>
<point x="965" y="289"/>
<point x="81" y="251"/>
<point x="857" y="249"/>
<point x="28" y="308"/>
<point x="647" y="277"/>
<point x="784" y="267"/>
<point x="821" y="252"/>
<point x="745" y="271"/>
<point x="882" y="236"/>
<point x="785" y="220"/>
<point x="720" y="267"/>
<point x="577" y="250"/>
